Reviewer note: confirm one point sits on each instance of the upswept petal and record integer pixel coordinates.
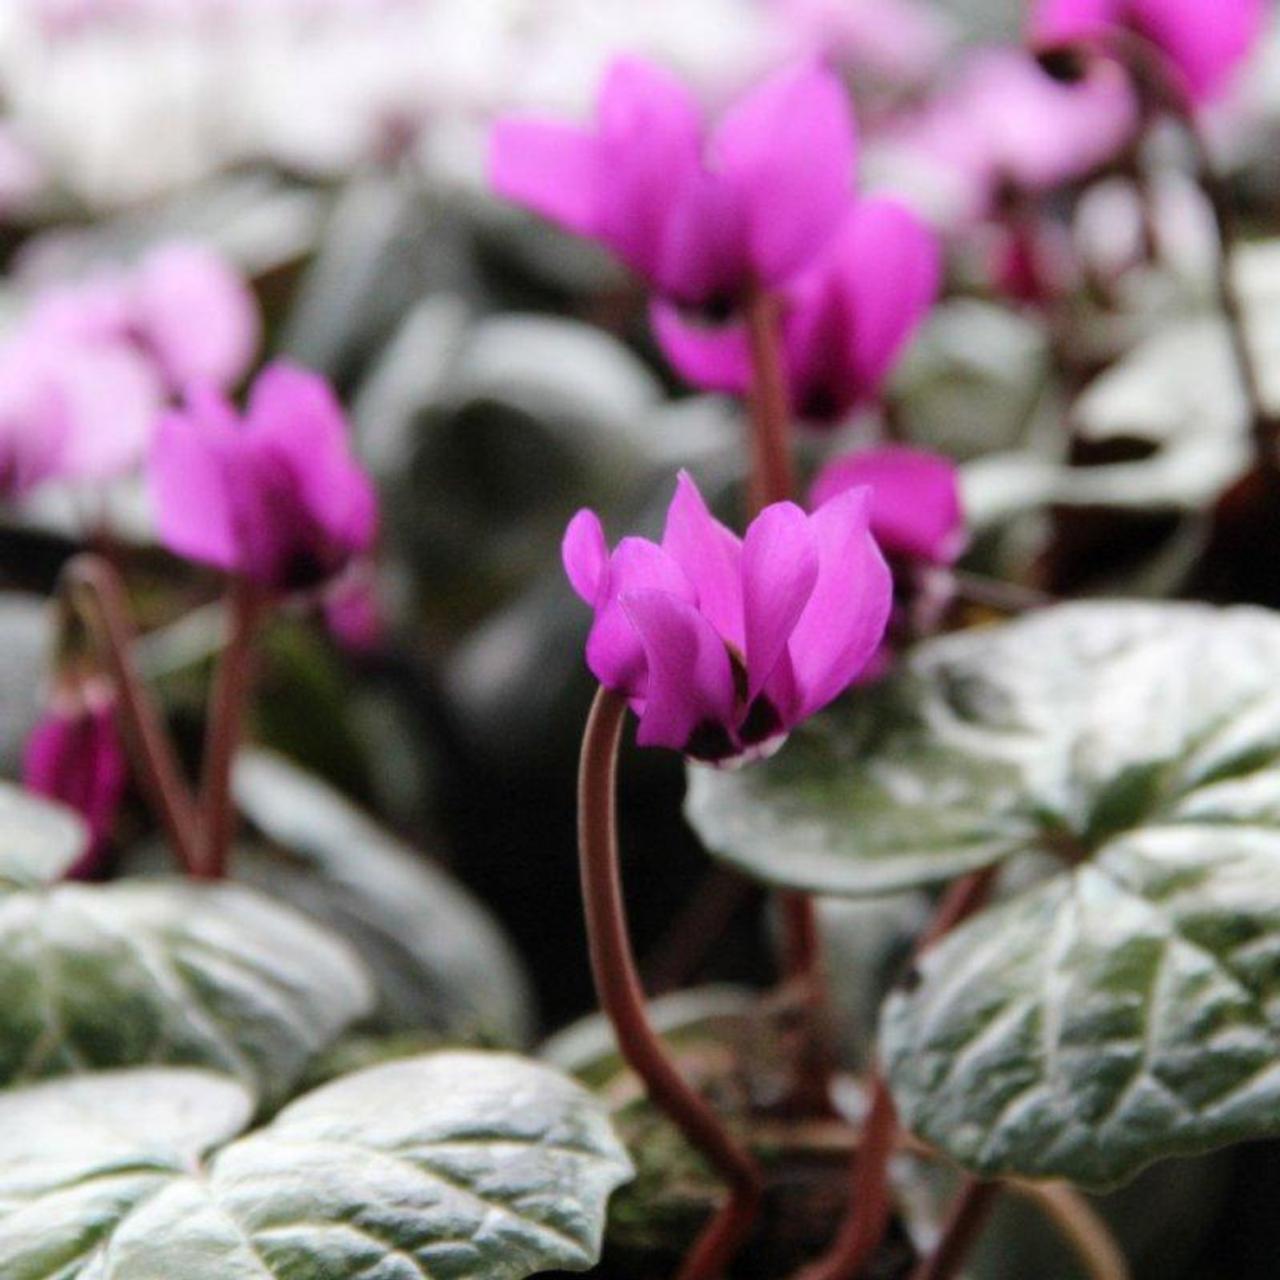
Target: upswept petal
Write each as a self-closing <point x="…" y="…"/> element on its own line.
<point x="295" y="413"/>
<point x="841" y="628"/>
<point x="649" y="142"/>
<point x="712" y="358"/>
<point x="548" y="167"/>
<point x="112" y="400"/>
<point x="197" y="315"/>
<point x="710" y="555"/>
<point x="187" y="478"/>
<point x="1206" y="39"/>
<point x="585" y="555"/>
<point x="790" y="149"/>
<point x="890" y="264"/>
<point x="1065" y="21"/>
<point x="614" y="652"/>
<point x="689" y="693"/>
<point x="779" y="572"/>
<point x="915" y="499"/>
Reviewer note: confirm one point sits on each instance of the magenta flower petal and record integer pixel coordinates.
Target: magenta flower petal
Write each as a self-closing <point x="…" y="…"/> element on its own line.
<point x="649" y="140"/>
<point x="112" y="400"/>
<point x="915" y="499"/>
<point x="721" y="647"/>
<point x="1068" y="21"/>
<point x="889" y="264"/>
<point x="702" y="220"/>
<point x="710" y="357"/>
<point x="790" y="149"/>
<point x="276" y="496"/>
<point x="585" y="554"/>
<point x="296" y="415"/>
<point x="779" y="570"/>
<point x="188" y="482"/>
<point x="75" y="755"/>
<point x="844" y="622"/>
<point x="1207" y="40"/>
<point x="689" y="693"/>
<point x="614" y="652"/>
<point x="710" y="556"/>
<point x="197" y="315"/>
<point x="548" y="167"/>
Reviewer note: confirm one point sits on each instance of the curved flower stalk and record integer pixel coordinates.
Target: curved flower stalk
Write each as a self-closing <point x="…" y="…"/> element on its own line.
<point x="845" y="321"/>
<point x="276" y="500"/>
<point x="75" y="755"/>
<point x="705" y="217"/>
<point x="720" y="646"/>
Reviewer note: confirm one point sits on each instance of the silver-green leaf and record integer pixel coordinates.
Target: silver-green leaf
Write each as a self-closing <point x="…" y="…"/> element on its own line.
<point x="1058" y="729"/>
<point x="475" y="1166"/>
<point x="172" y="972"/>
<point x="39" y="840"/>
<point x="1128" y="1008"/>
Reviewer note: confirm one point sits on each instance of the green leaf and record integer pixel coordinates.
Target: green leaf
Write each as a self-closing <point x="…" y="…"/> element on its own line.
<point x="39" y="840"/>
<point x="1053" y="731"/>
<point x="1127" y="1009"/>
<point x="469" y="1165"/>
<point x="438" y="958"/>
<point x="172" y="972"/>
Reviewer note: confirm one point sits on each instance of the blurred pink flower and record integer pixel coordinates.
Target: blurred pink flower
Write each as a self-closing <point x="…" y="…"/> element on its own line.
<point x="723" y="645"/>
<point x="846" y="321"/>
<point x="352" y="612"/>
<point x="276" y="495"/>
<point x="1001" y="122"/>
<point x="71" y="410"/>
<point x="901" y="41"/>
<point x="915" y="499"/>
<point x="702" y="217"/>
<point x="1205" y="41"/>
<point x="75" y="755"/>
<point x="183" y="306"/>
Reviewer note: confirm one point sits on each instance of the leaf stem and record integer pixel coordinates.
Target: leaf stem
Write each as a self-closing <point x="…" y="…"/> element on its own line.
<point x="864" y="1226"/>
<point x="623" y="1000"/>
<point x="1078" y="1222"/>
<point x="969" y="1213"/>
<point x="155" y="759"/>
<point x="245" y="606"/>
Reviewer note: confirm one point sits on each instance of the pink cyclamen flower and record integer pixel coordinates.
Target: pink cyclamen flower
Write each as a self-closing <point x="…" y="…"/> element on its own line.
<point x="722" y="645"/>
<point x="75" y="755"/>
<point x="703" y="217"/>
<point x="847" y="319"/>
<point x="916" y="509"/>
<point x="182" y="307"/>
<point x="71" y="411"/>
<point x="1205" y="41"/>
<point x="276" y="495"/>
<point x="1001" y="123"/>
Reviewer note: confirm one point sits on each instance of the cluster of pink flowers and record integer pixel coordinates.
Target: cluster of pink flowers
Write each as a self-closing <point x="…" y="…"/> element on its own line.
<point x="90" y="367"/>
<point x="762" y="201"/>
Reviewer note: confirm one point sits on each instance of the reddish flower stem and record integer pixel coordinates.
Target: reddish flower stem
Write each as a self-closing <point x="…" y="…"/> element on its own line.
<point x="772" y="477"/>
<point x="773" y="480"/>
<point x="864" y="1226"/>
<point x="154" y="758"/>
<point x="245" y="605"/>
<point x="969" y="1213"/>
<point x="623" y="1000"/>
